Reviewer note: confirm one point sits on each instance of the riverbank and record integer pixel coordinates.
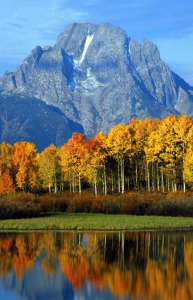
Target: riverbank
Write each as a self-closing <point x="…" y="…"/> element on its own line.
<point x="95" y="222"/>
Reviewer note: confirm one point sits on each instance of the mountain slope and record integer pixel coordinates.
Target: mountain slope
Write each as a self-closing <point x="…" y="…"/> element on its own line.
<point x="97" y="77"/>
<point x="29" y="119"/>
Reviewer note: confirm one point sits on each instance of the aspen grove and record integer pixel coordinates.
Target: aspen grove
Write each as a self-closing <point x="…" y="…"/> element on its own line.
<point x="154" y="155"/>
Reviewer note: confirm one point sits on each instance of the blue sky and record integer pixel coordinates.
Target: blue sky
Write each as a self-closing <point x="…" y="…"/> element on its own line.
<point x="25" y="24"/>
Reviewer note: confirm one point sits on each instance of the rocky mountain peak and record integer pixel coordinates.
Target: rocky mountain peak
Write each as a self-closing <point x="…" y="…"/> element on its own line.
<point x="96" y="76"/>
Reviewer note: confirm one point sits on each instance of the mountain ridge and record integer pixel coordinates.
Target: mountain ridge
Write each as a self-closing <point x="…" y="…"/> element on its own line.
<point x="97" y="76"/>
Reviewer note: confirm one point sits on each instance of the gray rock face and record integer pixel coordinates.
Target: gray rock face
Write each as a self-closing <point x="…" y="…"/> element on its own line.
<point x="30" y="119"/>
<point x="97" y="77"/>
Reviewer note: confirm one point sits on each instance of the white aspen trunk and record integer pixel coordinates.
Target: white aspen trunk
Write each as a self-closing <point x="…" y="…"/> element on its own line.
<point x="55" y="187"/>
<point x="140" y="175"/>
<point x="183" y="176"/>
<point x="168" y="183"/>
<point x="73" y="182"/>
<point x="95" y="185"/>
<point x="49" y="187"/>
<point x="153" y="178"/>
<point x="49" y="184"/>
<point x="119" y="184"/>
<point x="79" y="183"/>
<point x="112" y="181"/>
<point x="103" y="184"/>
<point x="122" y="176"/>
<point x="55" y="184"/>
<point x="162" y="176"/>
<point x="158" y="176"/>
<point x="174" y="183"/>
<point x="172" y="187"/>
<point x="148" y="179"/>
<point x="55" y="180"/>
<point x="136" y="176"/>
<point x="105" y="181"/>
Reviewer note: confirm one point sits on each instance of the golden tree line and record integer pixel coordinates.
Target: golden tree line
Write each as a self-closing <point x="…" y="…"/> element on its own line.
<point x="150" y="154"/>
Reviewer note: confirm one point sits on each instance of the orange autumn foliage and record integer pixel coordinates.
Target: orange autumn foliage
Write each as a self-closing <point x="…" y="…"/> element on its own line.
<point x="6" y="184"/>
<point x="152" y="155"/>
<point x="146" y="267"/>
<point x="25" y="163"/>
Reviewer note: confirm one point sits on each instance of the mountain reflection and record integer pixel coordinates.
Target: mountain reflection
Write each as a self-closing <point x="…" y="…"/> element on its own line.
<point x="63" y="265"/>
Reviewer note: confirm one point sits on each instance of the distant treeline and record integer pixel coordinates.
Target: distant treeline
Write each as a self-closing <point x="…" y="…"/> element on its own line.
<point x="153" y="155"/>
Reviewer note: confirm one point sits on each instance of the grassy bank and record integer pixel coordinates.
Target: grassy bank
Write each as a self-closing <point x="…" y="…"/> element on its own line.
<point x="85" y="221"/>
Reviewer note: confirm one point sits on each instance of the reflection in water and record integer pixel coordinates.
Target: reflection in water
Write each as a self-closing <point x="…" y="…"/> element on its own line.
<point x="61" y="265"/>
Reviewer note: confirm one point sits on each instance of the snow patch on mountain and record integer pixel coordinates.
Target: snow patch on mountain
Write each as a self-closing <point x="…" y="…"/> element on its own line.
<point x="89" y="39"/>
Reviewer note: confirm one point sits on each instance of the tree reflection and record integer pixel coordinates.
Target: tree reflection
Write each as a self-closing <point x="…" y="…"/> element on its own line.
<point x="140" y="265"/>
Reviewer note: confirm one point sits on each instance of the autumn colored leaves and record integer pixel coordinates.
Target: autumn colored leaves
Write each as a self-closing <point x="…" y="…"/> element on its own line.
<point x="132" y="265"/>
<point x="149" y="154"/>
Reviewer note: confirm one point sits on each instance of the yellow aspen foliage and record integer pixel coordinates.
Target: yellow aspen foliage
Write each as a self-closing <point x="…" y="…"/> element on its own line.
<point x="6" y="184"/>
<point x="95" y="158"/>
<point x="6" y="158"/>
<point x="25" y="163"/>
<point x="120" y="146"/>
<point x="6" y="168"/>
<point x="188" y="159"/>
<point x="72" y="159"/>
<point x="49" y="167"/>
<point x="143" y="154"/>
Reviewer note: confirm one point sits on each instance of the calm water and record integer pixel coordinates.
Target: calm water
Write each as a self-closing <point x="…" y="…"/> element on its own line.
<point x="60" y="265"/>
